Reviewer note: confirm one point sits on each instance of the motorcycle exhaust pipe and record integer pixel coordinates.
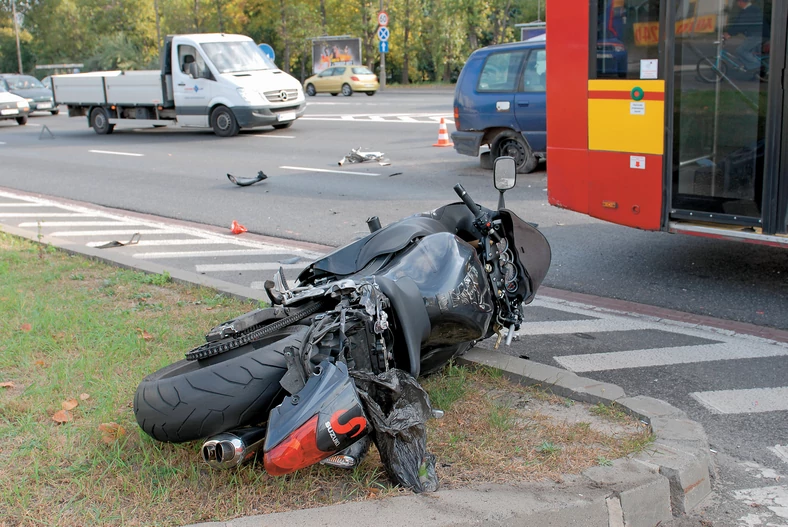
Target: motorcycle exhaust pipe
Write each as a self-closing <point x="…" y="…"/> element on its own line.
<point x="233" y="448"/>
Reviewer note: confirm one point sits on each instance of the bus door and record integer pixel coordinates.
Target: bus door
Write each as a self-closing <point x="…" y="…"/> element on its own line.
<point x="728" y="159"/>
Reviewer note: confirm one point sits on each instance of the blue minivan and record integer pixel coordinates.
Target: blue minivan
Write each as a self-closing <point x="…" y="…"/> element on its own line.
<point x="499" y="101"/>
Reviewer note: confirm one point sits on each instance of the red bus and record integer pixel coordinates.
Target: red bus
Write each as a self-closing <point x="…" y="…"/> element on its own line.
<point x="670" y="115"/>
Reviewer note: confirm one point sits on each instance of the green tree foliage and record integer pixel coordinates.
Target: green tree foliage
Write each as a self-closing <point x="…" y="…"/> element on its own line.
<point x="430" y="39"/>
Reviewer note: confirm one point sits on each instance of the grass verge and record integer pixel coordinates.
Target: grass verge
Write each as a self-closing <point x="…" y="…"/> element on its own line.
<point x="76" y="336"/>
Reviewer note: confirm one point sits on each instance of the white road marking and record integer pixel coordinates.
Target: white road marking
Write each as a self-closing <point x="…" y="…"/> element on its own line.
<point x="270" y="136"/>
<point x="2" y="143"/>
<point x="263" y="266"/>
<point x="780" y="451"/>
<point x="74" y="224"/>
<point x="152" y="243"/>
<point x="642" y="358"/>
<point x="307" y="169"/>
<point x="773" y="498"/>
<point x="407" y="119"/>
<point x="229" y="252"/>
<point x="45" y="215"/>
<point x="115" y="153"/>
<point x="377" y="118"/>
<point x="582" y="326"/>
<point x="754" y="400"/>
<point x="63" y="234"/>
<point x="21" y="205"/>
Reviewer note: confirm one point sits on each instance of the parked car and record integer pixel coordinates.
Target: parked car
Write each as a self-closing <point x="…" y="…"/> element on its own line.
<point x="500" y="101"/>
<point x="12" y="106"/>
<point x="344" y="79"/>
<point x="37" y="95"/>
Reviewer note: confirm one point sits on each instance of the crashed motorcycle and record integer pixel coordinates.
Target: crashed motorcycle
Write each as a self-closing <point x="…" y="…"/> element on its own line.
<point x="336" y="356"/>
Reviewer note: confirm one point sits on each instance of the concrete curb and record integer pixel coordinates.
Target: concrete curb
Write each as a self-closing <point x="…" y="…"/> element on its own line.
<point x="668" y="479"/>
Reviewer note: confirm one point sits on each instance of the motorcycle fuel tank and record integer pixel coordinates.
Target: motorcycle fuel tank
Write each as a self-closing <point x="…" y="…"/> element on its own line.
<point x="453" y="285"/>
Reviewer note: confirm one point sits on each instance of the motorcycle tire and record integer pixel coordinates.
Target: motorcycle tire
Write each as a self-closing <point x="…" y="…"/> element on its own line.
<point x="190" y="400"/>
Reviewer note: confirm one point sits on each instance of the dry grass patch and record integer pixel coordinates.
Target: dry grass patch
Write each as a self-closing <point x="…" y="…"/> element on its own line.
<point x="74" y="330"/>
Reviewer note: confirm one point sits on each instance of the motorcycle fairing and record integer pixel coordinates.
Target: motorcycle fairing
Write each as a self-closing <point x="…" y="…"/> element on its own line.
<point x="408" y="306"/>
<point x="532" y="248"/>
<point x="330" y="395"/>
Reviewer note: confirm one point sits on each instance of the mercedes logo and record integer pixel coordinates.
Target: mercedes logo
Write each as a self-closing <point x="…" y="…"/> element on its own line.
<point x="283" y="95"/>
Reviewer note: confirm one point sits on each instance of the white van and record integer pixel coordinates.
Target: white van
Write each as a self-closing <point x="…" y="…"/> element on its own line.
<point x="219" y="81"/>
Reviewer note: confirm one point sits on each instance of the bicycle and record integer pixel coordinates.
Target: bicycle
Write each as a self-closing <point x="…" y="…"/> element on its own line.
<point x="713" y="69"/>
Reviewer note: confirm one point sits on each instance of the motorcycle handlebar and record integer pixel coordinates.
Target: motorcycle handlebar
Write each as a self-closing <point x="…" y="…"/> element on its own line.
<point x="466" y="198"/>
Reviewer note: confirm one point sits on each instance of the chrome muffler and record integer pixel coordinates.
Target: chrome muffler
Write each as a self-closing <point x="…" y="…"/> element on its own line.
<point x="233" y="448"/>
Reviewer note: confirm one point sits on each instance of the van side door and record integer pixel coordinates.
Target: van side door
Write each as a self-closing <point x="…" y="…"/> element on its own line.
<point x="530" y="101"/>
<point x="495" y="90"/>
<point x="191" y="84"/>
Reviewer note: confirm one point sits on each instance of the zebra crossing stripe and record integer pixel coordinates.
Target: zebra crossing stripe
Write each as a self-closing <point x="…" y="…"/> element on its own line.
<point x="229" y="252"/>
<point x="619" y="360"/>
<point x="45" y="215"/>
<point x="75" y="224"/>
<point x="65" y="234"/>
<point x="263" y="266"/>
<point x="583" y="326"/>
<point x="753" y="400"/>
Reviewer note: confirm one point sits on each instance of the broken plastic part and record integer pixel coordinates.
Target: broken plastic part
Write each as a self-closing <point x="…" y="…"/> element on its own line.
<point x="245" y="182"/>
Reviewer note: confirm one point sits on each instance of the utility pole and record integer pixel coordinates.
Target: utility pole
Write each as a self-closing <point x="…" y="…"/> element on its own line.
<point x="16" y="30"/>
<point x="382" y="62"/>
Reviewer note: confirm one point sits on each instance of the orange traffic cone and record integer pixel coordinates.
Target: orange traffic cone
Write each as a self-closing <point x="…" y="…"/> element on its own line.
<point x="443" y="135"/>
<point x="237" y="228"/>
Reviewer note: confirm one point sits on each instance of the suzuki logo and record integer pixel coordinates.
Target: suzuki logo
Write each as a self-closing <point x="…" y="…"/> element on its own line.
<point x="283" y="95"/>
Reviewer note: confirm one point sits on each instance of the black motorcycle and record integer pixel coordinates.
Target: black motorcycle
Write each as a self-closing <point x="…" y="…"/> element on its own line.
<point x="406" y="298"/>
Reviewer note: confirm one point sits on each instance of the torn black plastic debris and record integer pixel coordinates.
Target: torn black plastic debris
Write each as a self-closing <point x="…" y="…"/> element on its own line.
<point x="398" y="408"/>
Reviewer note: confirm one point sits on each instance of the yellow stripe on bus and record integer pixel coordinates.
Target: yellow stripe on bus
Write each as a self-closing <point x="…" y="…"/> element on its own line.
<point x="626" y="85"/>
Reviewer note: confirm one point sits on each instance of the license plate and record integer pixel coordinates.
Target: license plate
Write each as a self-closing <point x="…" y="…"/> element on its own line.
<point x="370" y="85"/>
<point x="286" y="116"/>
<point x="44" y="105"/>
<point x="604" y="55"/>
<point x="12" y="111"/>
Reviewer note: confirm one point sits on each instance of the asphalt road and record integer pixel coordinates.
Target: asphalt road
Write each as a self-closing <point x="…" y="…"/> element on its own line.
<point x="182" y="174"/>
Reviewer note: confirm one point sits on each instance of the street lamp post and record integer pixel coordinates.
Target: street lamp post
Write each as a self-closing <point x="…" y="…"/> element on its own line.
<point x="16" y="31"/>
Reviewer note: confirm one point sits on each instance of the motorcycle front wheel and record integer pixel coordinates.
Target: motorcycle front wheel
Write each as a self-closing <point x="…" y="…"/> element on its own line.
<point x="190" y="400"/>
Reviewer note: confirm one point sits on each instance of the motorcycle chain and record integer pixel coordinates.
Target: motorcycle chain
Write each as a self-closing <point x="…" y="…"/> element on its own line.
<point x="256" y="332"/>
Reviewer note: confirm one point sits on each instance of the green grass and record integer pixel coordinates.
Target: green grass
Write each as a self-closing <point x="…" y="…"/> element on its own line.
<point x="71" y="326"/>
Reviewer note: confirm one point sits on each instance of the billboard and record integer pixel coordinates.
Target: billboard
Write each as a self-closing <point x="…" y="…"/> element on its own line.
<point x="335" y="51"/>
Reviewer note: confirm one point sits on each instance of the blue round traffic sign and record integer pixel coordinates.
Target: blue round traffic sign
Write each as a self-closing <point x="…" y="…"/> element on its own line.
<point x="383" y="33"/>
<point x="268" y="50"/>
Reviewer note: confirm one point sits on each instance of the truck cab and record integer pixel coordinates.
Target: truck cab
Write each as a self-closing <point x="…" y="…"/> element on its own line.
<point x="220" y="81"/>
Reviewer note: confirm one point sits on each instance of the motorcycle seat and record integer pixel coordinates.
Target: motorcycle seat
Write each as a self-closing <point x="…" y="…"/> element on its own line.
<point x="354" y="257"/>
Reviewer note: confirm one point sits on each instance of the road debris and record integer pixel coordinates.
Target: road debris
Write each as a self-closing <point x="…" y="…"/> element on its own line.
<point x="237" y="228"/>
<point x="245" y="182"/>
<point x="357" y="156"/>
<point x="135" y="238"/>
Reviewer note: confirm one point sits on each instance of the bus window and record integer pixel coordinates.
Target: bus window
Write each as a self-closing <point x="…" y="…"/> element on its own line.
<point x="627" y="31"/>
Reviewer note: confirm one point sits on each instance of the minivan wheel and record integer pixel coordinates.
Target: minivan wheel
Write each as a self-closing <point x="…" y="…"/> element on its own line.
<point x="513" y="145"/>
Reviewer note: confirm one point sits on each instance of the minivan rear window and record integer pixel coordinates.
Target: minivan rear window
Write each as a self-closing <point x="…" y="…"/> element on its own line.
<point x="500" y="71"/>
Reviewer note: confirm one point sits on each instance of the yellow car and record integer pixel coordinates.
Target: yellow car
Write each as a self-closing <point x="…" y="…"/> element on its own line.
<point x="345" y="79"/>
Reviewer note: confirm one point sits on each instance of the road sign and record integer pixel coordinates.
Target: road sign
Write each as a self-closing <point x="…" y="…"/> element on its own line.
<point x="383" y="46"/>
<point x="267" y="50"/>
<point x="383" y="18"/>
<point x="383" y="33"/>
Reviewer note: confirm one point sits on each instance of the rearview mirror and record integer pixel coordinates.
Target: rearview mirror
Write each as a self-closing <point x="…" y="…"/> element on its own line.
<point x="504" y="173"/>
